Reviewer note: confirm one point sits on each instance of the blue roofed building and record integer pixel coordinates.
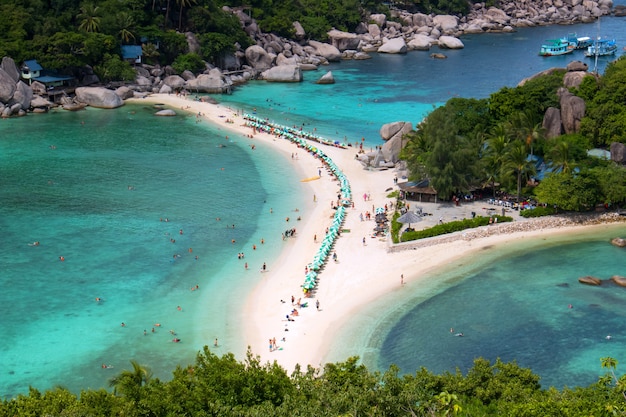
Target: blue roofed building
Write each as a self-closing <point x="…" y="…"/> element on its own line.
<point x="132" y="53"/>
<point x="55" y="84"/>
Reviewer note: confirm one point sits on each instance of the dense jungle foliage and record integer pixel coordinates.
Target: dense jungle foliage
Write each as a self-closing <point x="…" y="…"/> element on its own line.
<point x="499" y="143"/>
<point x="69" y="34"/>
<point x="223" y="387"/>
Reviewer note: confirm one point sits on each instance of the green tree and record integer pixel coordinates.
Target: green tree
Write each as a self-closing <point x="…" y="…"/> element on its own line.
<point x="517" y="163"/>
<point x="182" y="4"/>
<point x="611" y="183"/>
<point x="129" y="382"/>
<point x="89" y="18"/>
<point x="569" y="191"/>
<point x="126" y="24"/>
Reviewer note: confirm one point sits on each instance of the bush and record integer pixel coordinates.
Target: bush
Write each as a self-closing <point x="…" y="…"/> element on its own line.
<point x="538" y="212"/>
<point x="451" y="227"/>
<point x="189" y="62"/>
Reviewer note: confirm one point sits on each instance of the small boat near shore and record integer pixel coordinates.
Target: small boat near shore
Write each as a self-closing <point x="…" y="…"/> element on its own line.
<point x="601" y="47"/>
<point x="579" y="42"/>
<point x="555" y="47"/>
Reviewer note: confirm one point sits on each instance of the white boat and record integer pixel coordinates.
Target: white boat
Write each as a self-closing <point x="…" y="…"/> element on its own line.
<point x="602" y="47"/>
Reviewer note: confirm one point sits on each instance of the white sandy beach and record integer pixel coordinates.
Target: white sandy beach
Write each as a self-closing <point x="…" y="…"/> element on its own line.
<point x="363" y="273"/>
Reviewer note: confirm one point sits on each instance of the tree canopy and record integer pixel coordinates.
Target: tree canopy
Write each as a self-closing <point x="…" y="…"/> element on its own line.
<point x="223" y="386"/>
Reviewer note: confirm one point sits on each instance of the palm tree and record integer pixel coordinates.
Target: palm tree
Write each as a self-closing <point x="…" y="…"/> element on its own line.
<point x="493" y="155"/>
<point x="182" y="4"/>
<point x="560" y="155"/>
<point x="516" y="162"/>
<point x="126" y="24"/>
<point x="90" y="18"/>
<point x="524" y="126"/>
<point x="128" y="383"/>
<point x="150" y="52"/>
<point x="611" y="364"/>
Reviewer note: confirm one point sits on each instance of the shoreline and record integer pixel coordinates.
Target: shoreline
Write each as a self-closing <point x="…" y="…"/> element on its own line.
<point x="366" y="270"/>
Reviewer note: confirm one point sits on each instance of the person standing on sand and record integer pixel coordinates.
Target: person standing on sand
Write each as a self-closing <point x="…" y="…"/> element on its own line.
<point x="363" y="240"/>
<point x="402" y="279"/>
<point x="317" y="305"/>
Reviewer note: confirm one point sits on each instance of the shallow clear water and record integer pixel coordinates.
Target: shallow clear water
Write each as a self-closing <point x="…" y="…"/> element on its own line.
<point x="75" y="200"/>
<point x="125" y="245"/>
<point x="516" y="306"/>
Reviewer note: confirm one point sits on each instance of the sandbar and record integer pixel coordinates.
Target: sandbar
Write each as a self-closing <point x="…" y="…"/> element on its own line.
<point x="366" y="268"/>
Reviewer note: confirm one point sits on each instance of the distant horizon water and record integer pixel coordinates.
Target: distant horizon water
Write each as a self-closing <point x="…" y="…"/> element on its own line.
<point x="122" y="203"/>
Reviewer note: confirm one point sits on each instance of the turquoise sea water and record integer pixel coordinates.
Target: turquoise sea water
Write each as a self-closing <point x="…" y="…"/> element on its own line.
<point x="66" y="184"/>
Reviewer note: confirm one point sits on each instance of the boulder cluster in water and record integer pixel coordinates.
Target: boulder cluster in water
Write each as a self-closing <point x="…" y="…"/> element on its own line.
<point x="282" y="60"/>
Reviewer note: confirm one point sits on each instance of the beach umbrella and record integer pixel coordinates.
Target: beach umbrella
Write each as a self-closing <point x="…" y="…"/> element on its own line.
<point x="409" y="217"/>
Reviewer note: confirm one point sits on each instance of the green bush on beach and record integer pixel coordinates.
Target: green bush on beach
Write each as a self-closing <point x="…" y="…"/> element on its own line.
<point x="538" y="212"/>
<point x="445" y="228"/>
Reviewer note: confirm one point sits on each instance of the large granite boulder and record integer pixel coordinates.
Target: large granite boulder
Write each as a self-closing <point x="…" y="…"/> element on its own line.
<point x="328" y="51"/>
<point x="618" y="152"/>
<point x="258" y="58"/>
<point x="99" y="97"/>
<point x="23" y="95"/>
<point x="393" y="46"/>
<point x="552" y="124"/>
<point x="326" y="78"/>
<point x="343" y="40"/>
<point x="213" y="82"/>
<point x="573" y="78"/>
<point x="8" y="65"/>
<point x="176" y="82"/>
<point x="420" y="42"/>
<point x="7" y="86"/>
<point x="379" y="18"/>
<point x="124" y="92"/>
<point x="572" y="110"/>
<point x="300" y="32"/>
<point x="589" y="280"/>
<point x="373" y="30"/>
<point x="620" y="242"/>
<point x="577" y="66"/>
<point x="284" y="73"/>
<point x="446" y="23"/>
<point x="450" y="42"/>
<point x="40" y="102"/>
<point x="393" y="134"/>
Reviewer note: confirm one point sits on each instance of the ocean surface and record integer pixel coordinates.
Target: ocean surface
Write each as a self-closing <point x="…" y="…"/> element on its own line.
<point x="122" y="203"/>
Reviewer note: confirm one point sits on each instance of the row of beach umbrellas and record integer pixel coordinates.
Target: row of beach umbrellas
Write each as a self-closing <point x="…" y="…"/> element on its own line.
<point x="298" y="137"/>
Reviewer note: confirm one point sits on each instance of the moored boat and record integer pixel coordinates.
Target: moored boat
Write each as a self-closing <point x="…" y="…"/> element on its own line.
<point x="580" y="42"/>
<point x="554" y="47"/>
<point x="601" y="47"/>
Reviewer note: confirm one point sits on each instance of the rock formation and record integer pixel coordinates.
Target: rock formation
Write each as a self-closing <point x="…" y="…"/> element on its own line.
<point x="620" y="242"/>
<point x="589" y="280"/>
<point x="98" y="97"/>
<point x="618" y="152"/>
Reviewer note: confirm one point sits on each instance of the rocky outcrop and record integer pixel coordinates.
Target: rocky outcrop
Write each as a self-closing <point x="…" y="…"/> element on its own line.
<point x="258" y="58"/>
<point x="589" y="280"/>
<point x="393" y="46"/>
<point x="572" y="110"/>
<point x="619" y="280"/>
<point x="23" y="95"/>
<point x="8" y="66"/>
<point x="618" y="152"/>
<point x="176" y="82"/>
<point x="7" y="86"/>
<point x="329" y="52"/>
<point x="392" y="134"/>
<point x="213" y="82"/>
<point x="620" y="242"/>
<point x="326" y="78"/>
<point x="344" y="40"/>
<point x="284" y="73"/>
<point x="552" y="123"/>
<point x="98" y="97"/>
<point x="450" y="42"/>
